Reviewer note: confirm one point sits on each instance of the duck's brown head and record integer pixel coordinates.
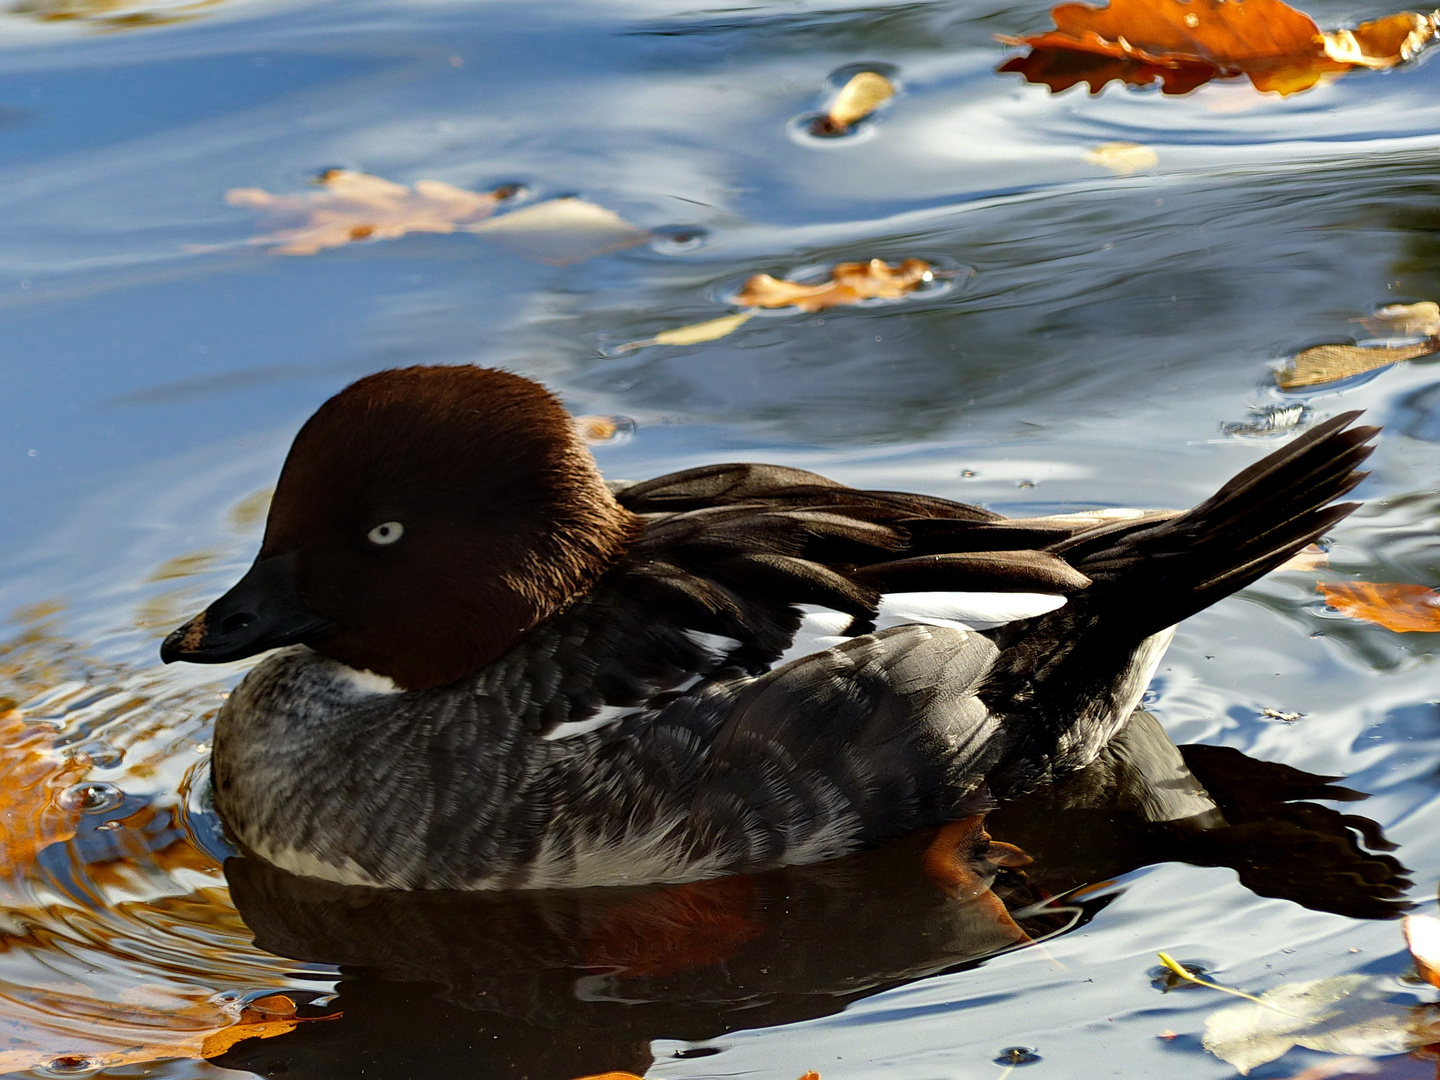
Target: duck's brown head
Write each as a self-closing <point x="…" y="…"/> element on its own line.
<point x="424" y="520"/>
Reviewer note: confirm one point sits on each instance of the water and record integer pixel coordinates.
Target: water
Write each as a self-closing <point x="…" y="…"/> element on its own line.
<point x="1113" y="330"/>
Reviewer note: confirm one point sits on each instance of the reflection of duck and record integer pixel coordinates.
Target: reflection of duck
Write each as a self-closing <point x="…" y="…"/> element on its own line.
<point x="522" y="678"/>
<point x="555" y="985"/>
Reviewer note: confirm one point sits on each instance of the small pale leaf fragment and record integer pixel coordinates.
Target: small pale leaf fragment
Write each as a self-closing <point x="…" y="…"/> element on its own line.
<point x="1422" y="935"/>
<point x="701" y="332"/>
<point x="562" y="231"/>
<point x="1405" y="320"/>
<point x="599" y="429"/>
<point x="693" y="334"/>
<point x="1398" y="607"/>
<point x="1123" y="158"/>
<point x="1309" y="558"/>
<point x="1331" y="363"/>
<point x="857" y="99"/>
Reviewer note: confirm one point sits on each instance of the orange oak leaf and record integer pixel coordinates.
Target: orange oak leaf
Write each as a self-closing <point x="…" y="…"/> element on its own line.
<point x="1185" y="43"/>
<point x="1398" y="607"/>
<point x="850" y="283"/>
<point x="32" y="779"/>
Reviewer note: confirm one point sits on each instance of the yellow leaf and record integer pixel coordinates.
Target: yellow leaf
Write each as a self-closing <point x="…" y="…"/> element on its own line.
<point x="1123" y="158"/>
<point x="694" y="334"/>
<point x="598" y="429"/>
<point x="1330" y="363"/>
<point x="849" y="283"/>
<point x="562" y="231"/>
<point x="857" y="99"/>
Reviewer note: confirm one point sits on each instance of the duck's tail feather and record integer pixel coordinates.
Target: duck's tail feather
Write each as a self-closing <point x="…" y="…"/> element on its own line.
<point x="1253" y="524"/>
<point x="1069" y="679"/>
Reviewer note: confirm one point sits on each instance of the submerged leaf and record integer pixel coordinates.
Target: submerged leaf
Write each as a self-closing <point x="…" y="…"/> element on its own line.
<point x="1422" y="935"/>
<point x="1123" y="158"/>
<point x="356" y="206"/>
<point x="849" y="283"/>
<point x="1347" y="1014"/>
<point x="1185" y="43"/>
<point x="32" y="779"/>
<point x="859" y="97"/>
<point x="1331" y="363"/>
<point x="1395" y="606"/>
<point x="154" y="1027"/>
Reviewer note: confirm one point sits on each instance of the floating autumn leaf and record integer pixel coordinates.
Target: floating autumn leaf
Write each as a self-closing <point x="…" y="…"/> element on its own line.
<point x="1398" y="607"/>
<point x="1347" y="1014"/>
<point x="154" y="1024"/>
<point x="113" y="14"/>
<point x="1331" y="363"/>
<point x="33" y="779"/>
<point x="1123" y="158"/>
<point x="357" y="206"/>
<point x="850" y="283"/>
<point x="1185" y="43"/>
<point x="1422" y="937"/>
<point x="858" y="98"/>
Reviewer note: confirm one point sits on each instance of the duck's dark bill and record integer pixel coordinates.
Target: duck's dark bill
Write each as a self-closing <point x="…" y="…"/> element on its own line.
<point x="263" y="611"/>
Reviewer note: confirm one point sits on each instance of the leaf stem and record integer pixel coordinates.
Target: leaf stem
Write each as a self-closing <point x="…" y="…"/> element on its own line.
<point x="1179" y="969"/>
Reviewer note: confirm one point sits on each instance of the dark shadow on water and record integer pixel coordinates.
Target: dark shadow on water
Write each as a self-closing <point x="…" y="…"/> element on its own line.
<point x="557" y="985"/>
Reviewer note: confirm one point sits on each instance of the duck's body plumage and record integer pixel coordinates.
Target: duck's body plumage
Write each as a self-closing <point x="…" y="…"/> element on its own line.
<point x="776" y="670"/>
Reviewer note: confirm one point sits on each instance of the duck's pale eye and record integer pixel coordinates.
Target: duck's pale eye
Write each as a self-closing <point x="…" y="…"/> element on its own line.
<point x="386" y="533"/>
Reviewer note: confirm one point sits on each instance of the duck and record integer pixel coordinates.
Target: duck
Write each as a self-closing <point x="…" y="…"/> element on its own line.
<point x="490" y="669"/>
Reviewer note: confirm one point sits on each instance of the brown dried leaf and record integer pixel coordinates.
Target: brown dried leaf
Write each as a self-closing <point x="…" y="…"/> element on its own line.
<point x="358" y="206"/>
<point x="1188" y="42"/>
<point x="1398" y="607"/>
<point x="1330" y="363"/>
<point x="1422" y="935"/>
<point x="857" y="99"/>
<point x="32" y="777"/>
<point x="849" y="283"/>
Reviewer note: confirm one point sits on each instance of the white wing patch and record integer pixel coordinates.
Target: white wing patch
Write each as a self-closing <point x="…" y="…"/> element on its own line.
<point x="823" y="628"/>
<point x="970" y="610"/>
